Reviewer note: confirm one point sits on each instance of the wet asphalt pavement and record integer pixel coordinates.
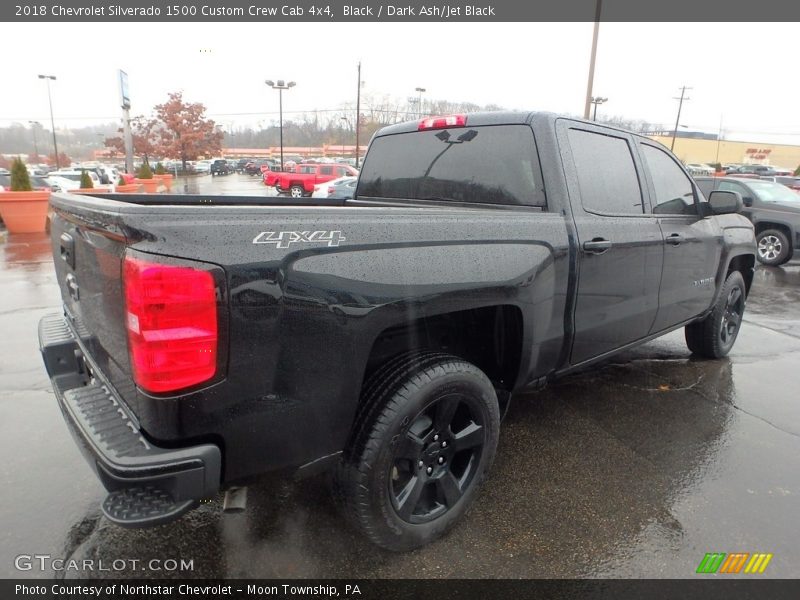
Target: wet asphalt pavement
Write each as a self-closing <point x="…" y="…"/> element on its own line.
<point x="636" y="468"/>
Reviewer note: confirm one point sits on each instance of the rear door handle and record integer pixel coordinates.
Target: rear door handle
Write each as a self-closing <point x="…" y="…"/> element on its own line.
<point x="675" y="239"/>
<point x="597" y="246"/>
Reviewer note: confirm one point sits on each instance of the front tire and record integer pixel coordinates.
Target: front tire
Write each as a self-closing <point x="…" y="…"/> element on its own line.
<point x="714" y="336"/>
<point x="423" y="441"/>
<point x="773" y="247"/>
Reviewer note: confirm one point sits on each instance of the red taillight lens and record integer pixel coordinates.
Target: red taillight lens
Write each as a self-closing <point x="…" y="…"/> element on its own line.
<point x="171" y="317"/>
<point x="442" y="122"/>
<point x="330" y="189"/>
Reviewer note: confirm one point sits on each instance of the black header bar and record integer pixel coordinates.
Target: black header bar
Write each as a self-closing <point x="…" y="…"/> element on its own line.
<point x="413" y="11"/>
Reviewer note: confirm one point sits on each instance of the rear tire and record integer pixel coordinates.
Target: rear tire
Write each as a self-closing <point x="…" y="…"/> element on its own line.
<point x="773" y="247"/>
<point x="714" y="336"/>
<point x="424" y="439"/>
<point x="296" y="191"/>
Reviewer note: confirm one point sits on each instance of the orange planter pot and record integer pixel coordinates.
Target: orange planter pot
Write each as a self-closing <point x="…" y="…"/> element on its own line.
<point x="24" y="212"/>
<point x="130" y="188"/>
<point x="166" y="179"/>
<point x="150" y="185"/>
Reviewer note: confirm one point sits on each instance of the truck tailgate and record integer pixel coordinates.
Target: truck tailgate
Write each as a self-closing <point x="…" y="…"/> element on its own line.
<point x="88" y="250"/>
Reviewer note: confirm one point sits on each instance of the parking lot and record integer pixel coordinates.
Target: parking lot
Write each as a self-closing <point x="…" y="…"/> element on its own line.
<point x="636" y="468"/>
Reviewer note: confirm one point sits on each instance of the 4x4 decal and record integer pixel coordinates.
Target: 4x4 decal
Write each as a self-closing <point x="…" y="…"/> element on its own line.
<point x="282" y="239"/>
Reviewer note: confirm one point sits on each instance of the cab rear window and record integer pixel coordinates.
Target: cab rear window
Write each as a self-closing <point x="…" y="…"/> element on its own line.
<point x="494" y="164"/>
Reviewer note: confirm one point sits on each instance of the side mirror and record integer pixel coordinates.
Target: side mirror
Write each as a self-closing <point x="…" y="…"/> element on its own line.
<point x="747" y="201"/>
<point x="725" y="203"/>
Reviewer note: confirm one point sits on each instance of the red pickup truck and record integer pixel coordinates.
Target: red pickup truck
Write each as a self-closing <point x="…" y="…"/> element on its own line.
<point x="271" y="177"/>
<point x="302" y="181"/>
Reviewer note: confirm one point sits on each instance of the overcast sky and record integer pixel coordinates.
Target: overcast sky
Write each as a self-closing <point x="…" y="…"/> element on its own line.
<point x="744" y="73"/>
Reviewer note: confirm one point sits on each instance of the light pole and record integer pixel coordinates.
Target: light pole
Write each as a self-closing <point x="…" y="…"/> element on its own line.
<point x="420" y="91"/>
<point x="597" y="100"/>
<point x="682" y="99"/>
<point x="346" y="120"/>
<point x="33" y="125"/>
<point x="280" y="86"/>
<point x="49" y="78"/>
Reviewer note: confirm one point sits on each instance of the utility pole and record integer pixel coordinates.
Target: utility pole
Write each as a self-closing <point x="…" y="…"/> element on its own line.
<point x="358" y="112"/>
<point x="598" y="8"/>
<point x="682" y="99"/>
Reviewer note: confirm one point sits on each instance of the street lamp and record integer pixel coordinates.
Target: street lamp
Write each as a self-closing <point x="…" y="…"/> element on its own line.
<point x="280" y="86"/>
<point x="420" y="91"/>
<point x="33" y="125"/>
<point x="596" y="100"/>
<point x="48" y="78"/>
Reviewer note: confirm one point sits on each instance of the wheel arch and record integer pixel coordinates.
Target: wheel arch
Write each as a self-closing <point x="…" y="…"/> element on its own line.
<point x="490" y="337"/>
<point x="745" y="264"/>
<point x="773" y="224"/>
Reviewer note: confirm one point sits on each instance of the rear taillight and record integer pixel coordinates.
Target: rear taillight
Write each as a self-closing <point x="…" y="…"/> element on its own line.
<point x="442" y="122"/>
<point x="330" y="189"/>
<point x="171" y="318"/>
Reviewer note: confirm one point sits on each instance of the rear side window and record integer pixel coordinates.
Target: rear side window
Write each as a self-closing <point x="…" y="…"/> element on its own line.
<point x="673" y="188"/>
<point x="326" y="170"/>
<point x="488" y="164"/>
<point x="606" y="173"/>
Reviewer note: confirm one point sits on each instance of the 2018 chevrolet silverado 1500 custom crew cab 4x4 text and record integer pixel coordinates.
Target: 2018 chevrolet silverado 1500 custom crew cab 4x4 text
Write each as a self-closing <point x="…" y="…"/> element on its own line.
<point x="206" y="340"/>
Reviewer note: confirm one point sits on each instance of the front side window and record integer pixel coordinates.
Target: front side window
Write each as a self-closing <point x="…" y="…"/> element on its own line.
<point x="674" y="192"/>
<point x="606" y="173"/>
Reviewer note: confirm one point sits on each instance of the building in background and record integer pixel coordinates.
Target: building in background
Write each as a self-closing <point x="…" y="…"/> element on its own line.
<point x="697" y="147"/>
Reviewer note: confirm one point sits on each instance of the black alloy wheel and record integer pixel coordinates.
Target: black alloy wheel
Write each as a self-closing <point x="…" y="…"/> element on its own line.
<point x="436" y="459"/>
<point x="422" y="442"/>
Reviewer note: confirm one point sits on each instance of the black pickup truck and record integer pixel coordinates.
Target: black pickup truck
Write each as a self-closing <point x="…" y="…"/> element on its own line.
<point x="206" y="340"/>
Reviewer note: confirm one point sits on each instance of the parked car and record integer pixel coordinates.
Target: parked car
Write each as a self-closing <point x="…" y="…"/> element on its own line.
<point x="789" y="181"/>
<point x="220" y="166"/>
<point x="202" y="166"/>
<point x="256" y="167"/>
<point x="321" y="189"/>
<point x="699" y="169"/>
<point x="483" y="255"/>
<point x="306" y="176"/>
<point x="753" y="171"/>
<point x="344" y="187"/>
<point x="240" y="164"/>
<point x="774" y="210"/>
<point x="75" y="176"/>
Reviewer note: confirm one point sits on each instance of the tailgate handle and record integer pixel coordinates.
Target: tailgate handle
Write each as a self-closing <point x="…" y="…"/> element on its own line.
<point x="68" y="249"/>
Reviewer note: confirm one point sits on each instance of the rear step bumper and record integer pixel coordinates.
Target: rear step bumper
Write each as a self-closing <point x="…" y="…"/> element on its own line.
<point x="147" y="485"/>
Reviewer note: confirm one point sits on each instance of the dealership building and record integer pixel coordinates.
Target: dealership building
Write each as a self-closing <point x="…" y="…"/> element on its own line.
<point x="693" y="147"/>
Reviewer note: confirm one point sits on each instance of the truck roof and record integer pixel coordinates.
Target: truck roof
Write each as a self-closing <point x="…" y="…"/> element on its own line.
<point x="502" y="117"/>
